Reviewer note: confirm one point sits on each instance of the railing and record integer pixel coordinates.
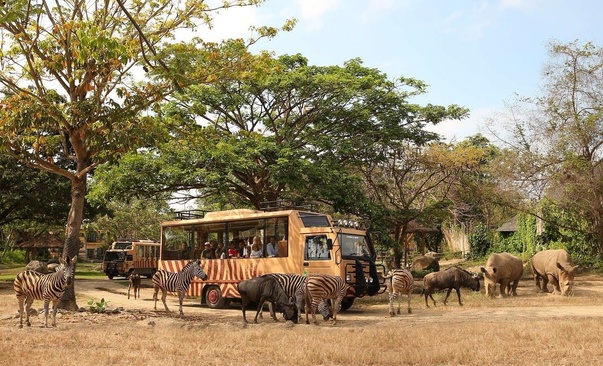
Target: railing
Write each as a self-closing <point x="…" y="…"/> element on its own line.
<point x="190" y="214"/>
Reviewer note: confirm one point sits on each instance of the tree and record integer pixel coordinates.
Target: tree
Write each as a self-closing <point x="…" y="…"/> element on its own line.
<point x="70" y="91"/>
<point x="556" y="150"/>
<point x="280" y="129"/>
<point x="413" y="183"/>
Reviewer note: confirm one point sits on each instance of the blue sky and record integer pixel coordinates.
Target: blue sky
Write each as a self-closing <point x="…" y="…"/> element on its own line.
<point x="473" y="53"/>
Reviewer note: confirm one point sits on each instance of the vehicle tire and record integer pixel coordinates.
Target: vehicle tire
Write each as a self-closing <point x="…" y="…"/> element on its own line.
<point x="347" y="303"/>
<point x="214" y="299"/>
<point x="110" y="275"/>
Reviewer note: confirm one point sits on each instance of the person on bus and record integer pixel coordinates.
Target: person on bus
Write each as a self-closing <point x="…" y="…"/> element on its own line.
<point x="272" y="247"/>
<point x="185" y="252"/>
<point x="256" y="251"/>
<point x="232" y="250"/>
<point x="242" y="249"/>
<point x="220" y="253"/>
<point x="207" y="253"/>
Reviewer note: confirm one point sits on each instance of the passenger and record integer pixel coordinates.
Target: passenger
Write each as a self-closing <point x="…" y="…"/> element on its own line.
<point x="241" y="249"/>
<point x="220" y="253"/>
<point x="185" y="252"/>
<point x="256" y="251"/>
<point x="272" y="247"/>
<point x="232" y="250"/>
<point x="207" y="253"/>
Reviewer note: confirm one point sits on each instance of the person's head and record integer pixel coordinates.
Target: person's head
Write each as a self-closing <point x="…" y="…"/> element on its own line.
<point x="231" y="244"/>
<point x="255" y="247"/>
<point x="206" y="245"/>
<point x="272" y="239"/>
<point x="241" y="244"/>
<point x="257" y="240"/>
<point x="184" y="245"/>
<point x="212" y="244"/>
<point x="220" y="245"/>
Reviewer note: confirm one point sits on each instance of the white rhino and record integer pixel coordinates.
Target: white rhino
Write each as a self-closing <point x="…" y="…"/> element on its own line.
<point x="504" y="269"/>
<point x="554" y="266"/>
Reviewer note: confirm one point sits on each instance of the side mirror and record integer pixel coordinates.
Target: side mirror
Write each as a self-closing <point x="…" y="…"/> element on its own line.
<point x="329" y="244"/>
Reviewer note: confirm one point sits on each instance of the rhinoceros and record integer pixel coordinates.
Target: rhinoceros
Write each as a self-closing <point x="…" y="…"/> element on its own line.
<point x="504" y="269"/>
<point x="555" y="266"/>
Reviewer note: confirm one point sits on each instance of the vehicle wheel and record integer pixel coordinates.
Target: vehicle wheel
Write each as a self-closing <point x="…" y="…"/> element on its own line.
<point x="214" y="299"/>
<point x="347" y="303"/>
<point x="110" y="276"/>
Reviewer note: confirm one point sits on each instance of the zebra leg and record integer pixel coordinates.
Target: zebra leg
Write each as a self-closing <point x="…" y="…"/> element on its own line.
<point x="129" y="287"/>
<point x="399" y="302"/>
<point x="180" y="299"/>
<point x="55" y="307"/>
<point x="155" y="296"/>
<point x="20" y="300"/>
<point x="46" y="303"/>
<point x="163" y="296"/>
<point x="335" y="308"/>
<point x="392" y="297"/>
<point x="408" y="294"/>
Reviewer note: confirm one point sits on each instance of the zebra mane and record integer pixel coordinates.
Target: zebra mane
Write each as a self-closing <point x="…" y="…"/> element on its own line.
<point x="189" y="265"/>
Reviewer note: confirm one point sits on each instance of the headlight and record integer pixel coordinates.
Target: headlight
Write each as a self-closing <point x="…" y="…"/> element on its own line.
<point x="348" y="278"/>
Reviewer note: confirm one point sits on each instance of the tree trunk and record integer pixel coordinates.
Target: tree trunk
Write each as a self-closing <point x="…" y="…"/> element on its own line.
<point x="72" y="235"/>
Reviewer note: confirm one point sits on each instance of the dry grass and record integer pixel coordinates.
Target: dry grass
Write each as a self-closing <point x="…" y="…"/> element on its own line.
<point x="531" y="329"/>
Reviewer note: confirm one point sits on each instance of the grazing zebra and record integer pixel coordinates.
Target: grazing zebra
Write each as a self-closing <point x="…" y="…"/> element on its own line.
<point x="321" y="287"/>
<point x="176" y="282"/>
<point x="31" y="285"/>
<point x="399" y="281"/>
<point x="293" y="285"/>
<point x="134" y="283"/>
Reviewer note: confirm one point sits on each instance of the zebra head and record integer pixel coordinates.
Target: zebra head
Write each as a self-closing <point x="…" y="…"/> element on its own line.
<point x="68" y="268"/>
<point x="198" y="271"/>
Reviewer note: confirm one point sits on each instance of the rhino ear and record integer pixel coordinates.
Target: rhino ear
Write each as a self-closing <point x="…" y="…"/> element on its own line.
<point x="493" y="269"/>
<point x="483" y="269"/>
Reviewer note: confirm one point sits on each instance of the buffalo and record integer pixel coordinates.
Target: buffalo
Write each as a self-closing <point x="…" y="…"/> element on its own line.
<point x="266" y="288"/>
<point x="450" y="278"/>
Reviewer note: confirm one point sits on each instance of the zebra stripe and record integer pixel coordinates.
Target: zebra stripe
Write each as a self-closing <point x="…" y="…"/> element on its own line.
<point x="176" y="282"/>
<point x="399" y="281"/>
<point x="31" y="285"/>
<point x="321" y="287"/>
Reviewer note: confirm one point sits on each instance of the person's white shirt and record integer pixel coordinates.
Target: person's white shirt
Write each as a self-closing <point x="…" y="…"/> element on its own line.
<point x="255" y="254"/>
<point x="272" y="249"/>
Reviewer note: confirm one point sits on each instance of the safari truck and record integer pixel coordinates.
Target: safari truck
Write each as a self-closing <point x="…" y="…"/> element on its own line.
<point x="307" y="243"/>
<point x="126" y="256"/>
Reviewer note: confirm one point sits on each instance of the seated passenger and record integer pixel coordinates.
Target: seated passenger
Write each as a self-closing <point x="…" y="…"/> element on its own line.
<point x="256" y="251"/>
<point x="207" y="253"/>
<point x="232" y="251"/>
<point x="272" y="247"/>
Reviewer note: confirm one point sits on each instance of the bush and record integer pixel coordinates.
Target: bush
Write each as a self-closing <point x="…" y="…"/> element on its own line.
<point x="13" y="256"/>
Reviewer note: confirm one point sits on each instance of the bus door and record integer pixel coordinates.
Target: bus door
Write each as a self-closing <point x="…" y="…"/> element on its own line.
<point x="317" y="255"/>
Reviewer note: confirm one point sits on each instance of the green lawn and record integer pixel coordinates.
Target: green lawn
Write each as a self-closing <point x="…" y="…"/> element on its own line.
<point x="84" y="270"/>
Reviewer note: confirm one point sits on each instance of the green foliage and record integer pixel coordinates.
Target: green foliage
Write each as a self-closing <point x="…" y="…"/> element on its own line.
<point x="480" y="241"/>
<point x="13" y="256"/>
<point x="97" y="306"/>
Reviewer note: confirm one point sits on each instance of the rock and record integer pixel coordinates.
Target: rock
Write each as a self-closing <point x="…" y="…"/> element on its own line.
<point x="423" y="263"/>
<point x="289" y="324"/>
<point x="38" y="266"/>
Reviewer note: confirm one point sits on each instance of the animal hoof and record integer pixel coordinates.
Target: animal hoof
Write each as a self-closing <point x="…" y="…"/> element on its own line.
<point x="409" y="311"/>
<point x="392" y="314"/>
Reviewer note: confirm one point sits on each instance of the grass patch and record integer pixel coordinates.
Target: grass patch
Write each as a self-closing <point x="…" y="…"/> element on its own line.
<point x="84" y="270"/>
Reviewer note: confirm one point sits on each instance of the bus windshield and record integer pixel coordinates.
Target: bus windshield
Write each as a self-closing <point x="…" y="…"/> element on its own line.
<point x="354" y="245"/>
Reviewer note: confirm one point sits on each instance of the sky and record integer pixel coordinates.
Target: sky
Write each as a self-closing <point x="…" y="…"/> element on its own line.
<point x="477" y="54"/>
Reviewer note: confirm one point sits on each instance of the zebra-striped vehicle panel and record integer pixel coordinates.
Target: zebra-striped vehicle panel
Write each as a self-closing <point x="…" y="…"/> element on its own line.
<point x="31" y="285"/>
<point x="319" y="287"/>
<point x="399" y="281"/>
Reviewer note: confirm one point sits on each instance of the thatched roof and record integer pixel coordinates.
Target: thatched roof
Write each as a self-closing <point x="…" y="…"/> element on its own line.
<point x="43" y="241"/>
<point x="415" y="227"/>
<point x="509" y="226"/>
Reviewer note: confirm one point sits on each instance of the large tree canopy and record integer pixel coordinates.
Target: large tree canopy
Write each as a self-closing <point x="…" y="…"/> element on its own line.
<point x="280" y="129"/>
<point x="68" y="71"/>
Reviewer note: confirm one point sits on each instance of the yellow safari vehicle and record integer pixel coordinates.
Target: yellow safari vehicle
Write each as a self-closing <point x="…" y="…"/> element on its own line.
<point x="126" y="256"/>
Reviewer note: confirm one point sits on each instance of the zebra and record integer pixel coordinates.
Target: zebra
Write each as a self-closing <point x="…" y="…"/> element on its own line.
<point x="293" y="285"/>
<point x="399" y="281"/>
<point x="31" y="285"/>
<point x="321" y="287"/>
<point x="176" y="282"/>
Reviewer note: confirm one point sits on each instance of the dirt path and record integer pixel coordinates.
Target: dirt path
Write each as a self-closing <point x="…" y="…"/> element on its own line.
<point x="587" y="302"/>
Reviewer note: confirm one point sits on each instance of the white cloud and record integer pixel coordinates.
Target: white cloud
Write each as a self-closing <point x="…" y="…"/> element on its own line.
<point x="455" y="131"/>
<point x="314" y="11"/>
<point x="233" y="23"/>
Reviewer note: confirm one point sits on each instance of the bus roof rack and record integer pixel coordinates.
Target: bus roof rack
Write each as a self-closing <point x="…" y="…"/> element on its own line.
<point x="286" y="205"/>
<point x="190" y="214"/>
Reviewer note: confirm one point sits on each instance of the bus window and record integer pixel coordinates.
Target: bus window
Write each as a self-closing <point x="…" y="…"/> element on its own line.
<point x="316" y="248"/>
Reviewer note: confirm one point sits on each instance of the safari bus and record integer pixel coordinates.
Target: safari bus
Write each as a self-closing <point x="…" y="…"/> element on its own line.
<point x="307" y="243"/>
<point x="127" y="256"/>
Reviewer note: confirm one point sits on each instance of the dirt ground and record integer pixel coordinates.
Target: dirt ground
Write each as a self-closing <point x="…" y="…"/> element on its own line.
<point x="586" y="302"/>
